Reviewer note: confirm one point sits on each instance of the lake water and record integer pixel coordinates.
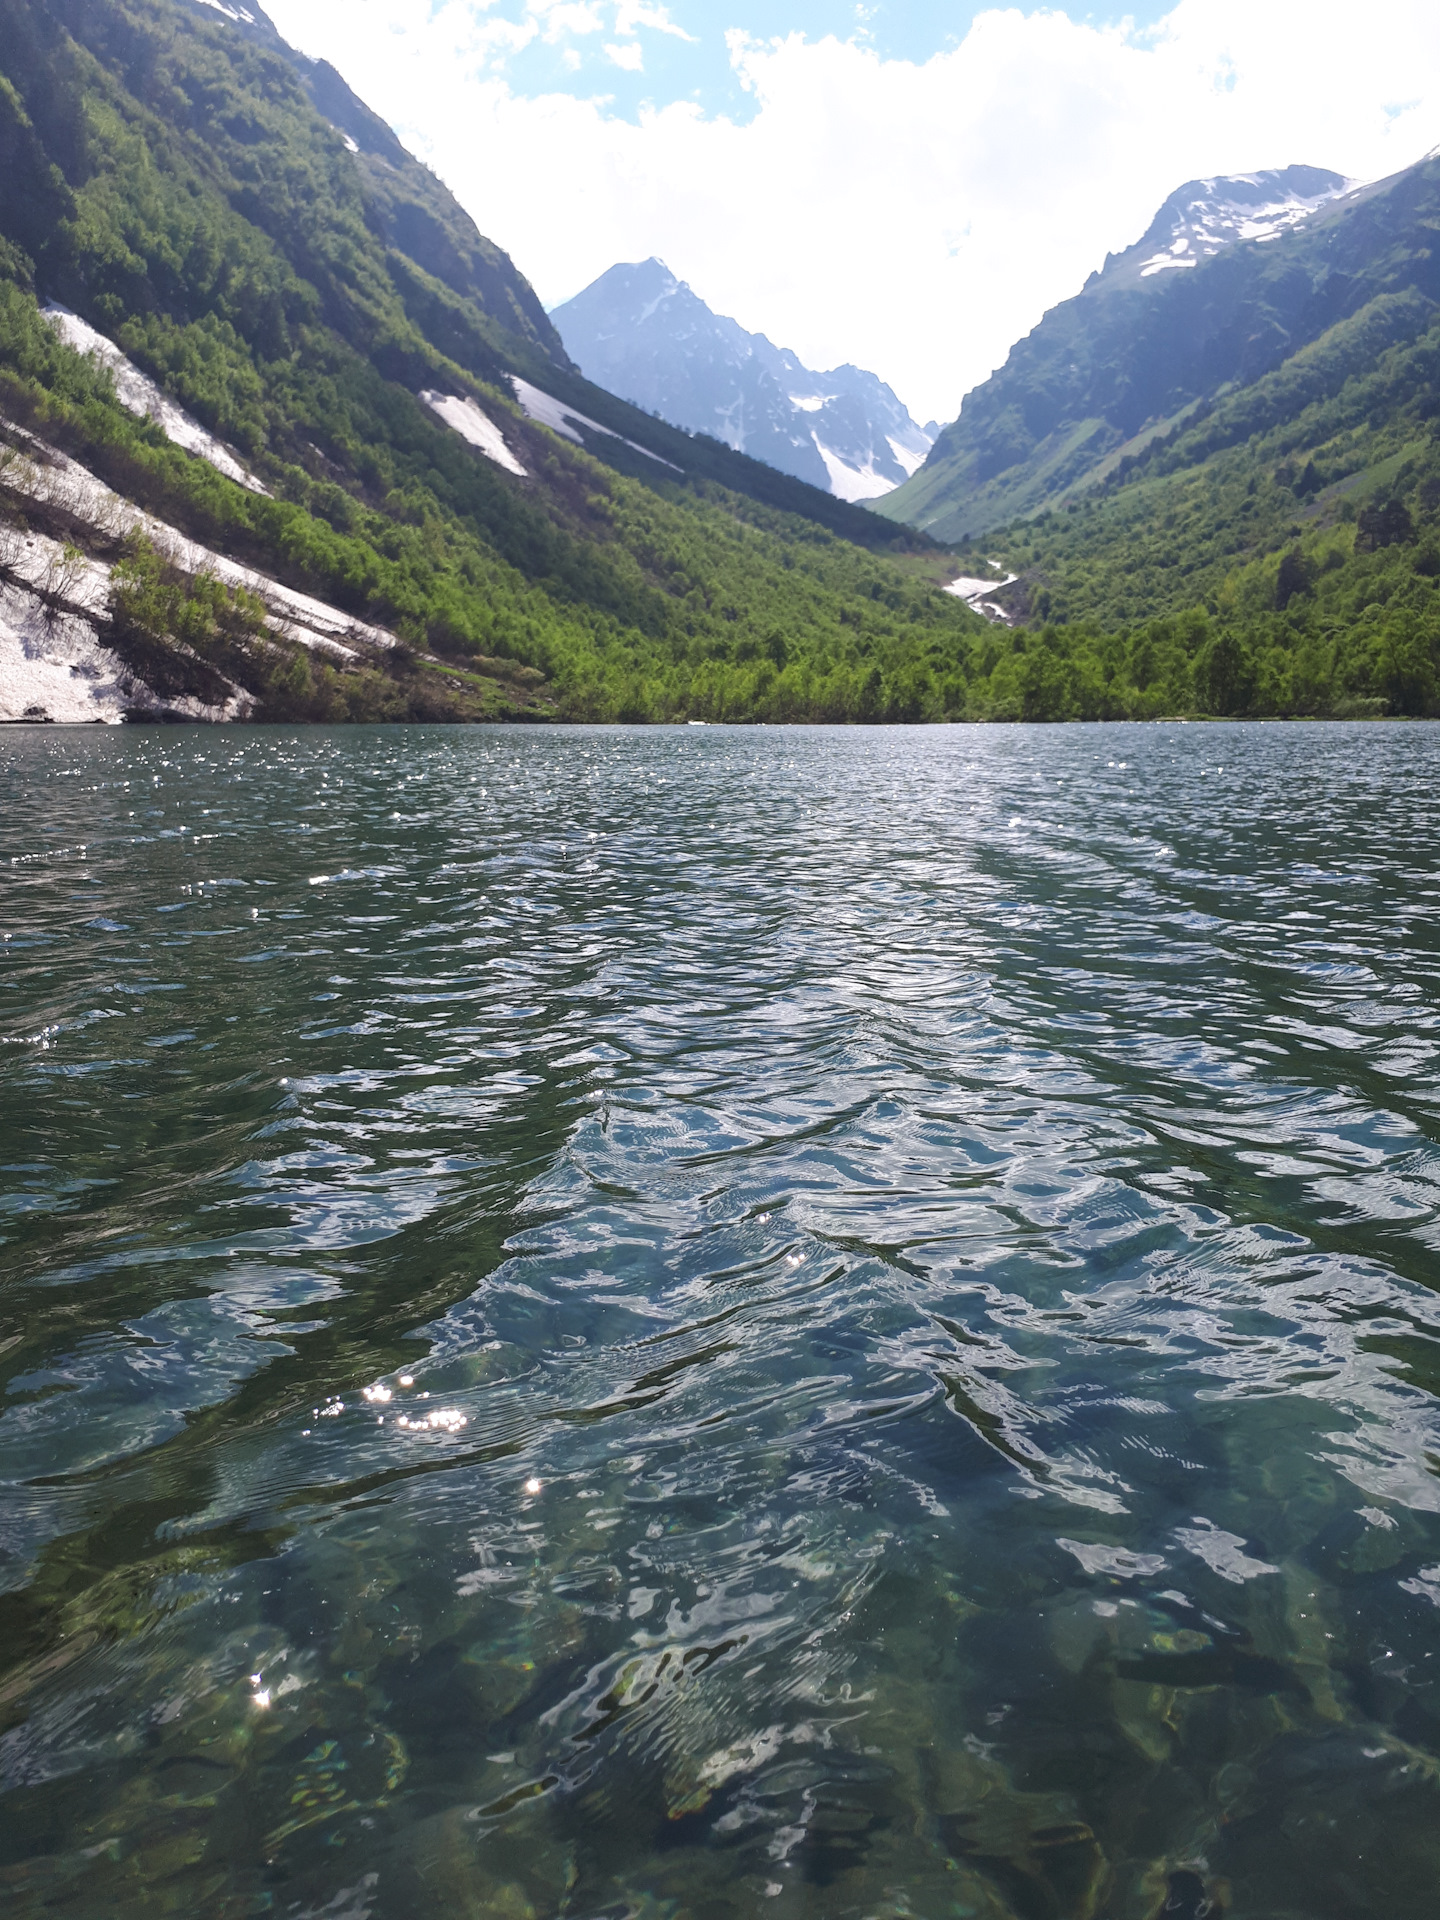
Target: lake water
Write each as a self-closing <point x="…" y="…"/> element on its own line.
<point x="689" y="1324"/>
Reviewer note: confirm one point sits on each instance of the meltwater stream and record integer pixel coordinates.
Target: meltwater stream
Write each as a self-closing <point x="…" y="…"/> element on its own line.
<point x="689" y="1324"/>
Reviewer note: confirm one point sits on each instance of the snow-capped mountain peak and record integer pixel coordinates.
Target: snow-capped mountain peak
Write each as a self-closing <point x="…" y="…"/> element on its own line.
<point x="1204" y="216"/>
<point x="645" y="335"/>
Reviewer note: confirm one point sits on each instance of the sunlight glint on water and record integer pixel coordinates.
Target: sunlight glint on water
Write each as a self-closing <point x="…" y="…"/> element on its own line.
<point x="698" y="1322"/>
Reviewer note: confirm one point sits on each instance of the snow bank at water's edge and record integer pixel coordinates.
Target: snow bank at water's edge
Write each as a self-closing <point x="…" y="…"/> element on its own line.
<point x="54" y="600"/>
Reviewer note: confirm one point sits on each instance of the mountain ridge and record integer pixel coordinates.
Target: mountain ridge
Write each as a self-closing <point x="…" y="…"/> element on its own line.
<point x="269" y="465"/>
<point x="411" y="207"/>
<point x="1147" y="338"/>
<point x="1274" y="549"/>
<point x="1205" y="215"/>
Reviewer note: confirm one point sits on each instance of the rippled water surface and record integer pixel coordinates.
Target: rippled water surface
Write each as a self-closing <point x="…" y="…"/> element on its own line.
<point x="696" y="1323"/>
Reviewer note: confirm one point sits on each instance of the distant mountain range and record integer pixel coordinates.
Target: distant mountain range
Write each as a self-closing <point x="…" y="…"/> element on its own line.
<point x="1205" y="300"/>
<point x="646" y="336"/>
<point x="285" y="436"/>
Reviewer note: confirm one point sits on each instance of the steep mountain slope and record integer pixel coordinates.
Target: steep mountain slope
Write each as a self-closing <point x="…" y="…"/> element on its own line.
<point x="1278" y="551"/>
<point x="283" y="343"/>
<point x="1233" y="276"/>
<point x="642" y="333"/>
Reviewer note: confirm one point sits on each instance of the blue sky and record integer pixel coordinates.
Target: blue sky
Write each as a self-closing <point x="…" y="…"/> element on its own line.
<point x="907" y="188"/>
<point x="694" y="62"/>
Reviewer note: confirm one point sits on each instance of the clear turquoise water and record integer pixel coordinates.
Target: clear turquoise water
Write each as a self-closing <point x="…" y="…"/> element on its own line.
<point x="916" y="1256"/>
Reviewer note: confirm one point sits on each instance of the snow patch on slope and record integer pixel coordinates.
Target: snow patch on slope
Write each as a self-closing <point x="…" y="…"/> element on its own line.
<point x="547" y="411"/>
<point x="976" y="594"/>
<point x="53" y="665"/>
<point x="856" y="481"/>
<point x="53" y="668"/>
<point x="472" y="423"/>
<point x="911" y="458"/>
<point x="54" y="601"/>
<point x="139" y="393"/>
<point x="852" y="483"/>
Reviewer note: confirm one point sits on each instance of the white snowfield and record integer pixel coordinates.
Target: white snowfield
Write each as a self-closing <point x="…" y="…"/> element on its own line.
<point x="858" y="484"/>
<point x="35" y="564"/>
<point x="1178" y="256"/>
<point x="53" y="599"/>
<point x="53" y="668"/>
<point x="53" y="665"/>
<point x="976" y="594"/>
<point x="53" y="479"/>
<point x="472" y="423"/>
<point x="851" y="483"/>
<point x="230" y="13"/>
<point x="846" y="478"/>
<point x="139" y="393"/>
<point x="911" y="458"/>
<point x="547" y="411"/>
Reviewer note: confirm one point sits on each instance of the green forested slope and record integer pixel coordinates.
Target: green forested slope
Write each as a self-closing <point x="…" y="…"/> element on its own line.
<point x="177" y="180"/>
<point x="1270" y="548"/>
<point x="1130" y="358"/>
<point x="1279" y="556"/>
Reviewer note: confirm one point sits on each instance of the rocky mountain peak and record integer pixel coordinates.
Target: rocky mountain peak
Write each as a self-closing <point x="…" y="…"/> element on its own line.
<point x="645" y="334"/>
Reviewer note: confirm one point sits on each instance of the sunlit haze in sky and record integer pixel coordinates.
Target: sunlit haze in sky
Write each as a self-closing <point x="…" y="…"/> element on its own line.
<point x="904" y="187"/>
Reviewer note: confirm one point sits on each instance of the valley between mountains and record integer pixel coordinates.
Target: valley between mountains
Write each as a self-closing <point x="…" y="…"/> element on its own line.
<point x="283" y="436"/>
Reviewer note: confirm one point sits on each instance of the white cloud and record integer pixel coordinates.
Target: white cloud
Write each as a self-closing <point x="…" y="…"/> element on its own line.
<point x="493" y="42"/>
<point x="631" y="15"/>
<point x="629" y="54"/>
<point x="913" y="218"/>
<point x="562" y="17"/>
